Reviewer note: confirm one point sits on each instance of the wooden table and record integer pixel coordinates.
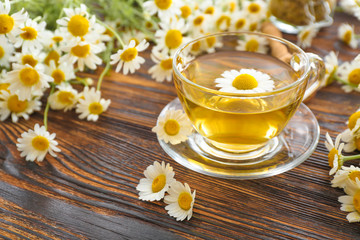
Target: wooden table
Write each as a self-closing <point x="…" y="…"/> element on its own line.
<point x="89" y="190"/>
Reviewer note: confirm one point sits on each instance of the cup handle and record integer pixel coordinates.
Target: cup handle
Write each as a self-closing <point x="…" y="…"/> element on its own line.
<point x="317" y="66"/>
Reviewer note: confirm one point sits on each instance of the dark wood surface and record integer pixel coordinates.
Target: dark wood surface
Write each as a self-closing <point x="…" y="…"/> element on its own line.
<point x="88" y="192"/>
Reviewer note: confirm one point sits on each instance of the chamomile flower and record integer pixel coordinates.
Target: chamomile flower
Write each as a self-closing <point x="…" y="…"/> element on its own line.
<point x="335" y="157"/>
<point x="31" y="58"/>
<point x="10" y="105"/>
<point x="82" y="52"/>
<point x="6" y="50"/>
<point x="349" y="73"/>
<point x="174" y="127"/>
<point x="10" y="25"/>
<point x="239" y="21"/>
<point x="171" y="36"/>
<point x="65" y="98"/>
<point x="345" y="176"/>
<point x="54" y="39"/>
<point x="199" y="23"/>
<point x="135" y="35"/>
<point x="30" y="39"/>
<point x="3" y="85"/>
<point x="158" y="178"/>
<point x="35" y="144"/>
<point x="255" y="10"/>
<point x="26" y="81"/>
<point x="244" y="81"/>
<point x="128" y="58"/>
<point x="252" y="43"/>
<point x="60" y="73"/>
<point x="347" y="35"/>
<point x="306" y="36"/>
<point x="351" y="201"/>
<point x="353" y="119"/>
<point x="222" y="21"/>
<point x="211" y="43"/>
<point x="351" y="137"/>
<point x="164" y="8"/>
<point x="180" y="201"/>
<point x="163" y="68"/>
<point x="331" y="66"/>
<point x="187" y="9"/>
<point x="53" y="55"/>
<point x="77" y="23"/>
<point x="91" y="105"/>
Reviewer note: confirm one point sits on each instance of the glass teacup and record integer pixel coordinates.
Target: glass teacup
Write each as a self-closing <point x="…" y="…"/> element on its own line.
<point x="237" y="134"/>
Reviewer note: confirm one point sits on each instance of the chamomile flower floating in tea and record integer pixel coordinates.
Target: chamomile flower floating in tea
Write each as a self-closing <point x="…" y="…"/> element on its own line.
<point x="331" y="66"/>
<point x="306" y="36"/>
<point x="10" y="24"/>
<point x="30" y="40"/>
<point x="347" y="35"/>
<point x="180" y="201"/>
<point x="157" y="180"/>
<point x="252" y="43"/>
<point x="345" y="176"/>
<point x="349" y="74"/>
<point x="351" y="201"/>
<point x="336" y="159"/>
<point x="35" y="144"/>
<point x="26" y="81"/>
<point x="92" y="105"/>
<point x="351" y="137"/>
<point x="164" y="8"/>
<point x="163" y="68"/>
<point x="64" y="98"/>
<point x="6" y="51"/>
<point x="173" y="127"/>
<point x="244" y="81"/>
<point x="128" y="58"/>
<point x="10" y="105"/>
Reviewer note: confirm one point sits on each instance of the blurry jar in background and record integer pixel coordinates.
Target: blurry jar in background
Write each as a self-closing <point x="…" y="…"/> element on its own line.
<point x="290" y="16"/>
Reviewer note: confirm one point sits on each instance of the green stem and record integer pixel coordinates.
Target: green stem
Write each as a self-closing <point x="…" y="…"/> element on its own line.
<point x="113" y="32"/>
<point x="107" y="67"/>
<point x="46" y="111"/>
<point x="344" y="82"/>
<point x="353" y="157"/>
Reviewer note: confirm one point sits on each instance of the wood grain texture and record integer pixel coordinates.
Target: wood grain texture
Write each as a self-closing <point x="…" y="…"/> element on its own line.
<point x="88" y="191"/>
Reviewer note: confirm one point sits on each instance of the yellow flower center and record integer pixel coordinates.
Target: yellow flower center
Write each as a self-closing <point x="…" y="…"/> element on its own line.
<point x="305" y="35"/>
<point x="252" y="45"/>
<point x="166" y="64"/>
<point x="52" y="55"/>
<point x="196" y="46"/>
<point x="210" y="41"/>
<point x="185" y="11"/>
<point x="347" y="36"/>
<point x="354" y="174"/>
<point x="129" y="54"/>
<point x="6" y="23"/>
<point x="65" y="97"/>
<point x="16" y="106"/>
<point x="29" y="76"/>
<point x="354" y="76"/>
<point x="356" y="201"/>
<point x="4" y="86"/>
<point x="81" y="51"/>
<point x="163" y="4"/>
<point x="253" y="26"/>
<point x="223" y="19"/>
<point x="29" y="33"/>
<point x="352" y="119"/>
<point x="158" y="183"/>
<point x="198" y="20"/>
<point x="244" y="82"/>
<point x="149" y="25"/>
<point x="254" y="8"/>
<point x="240" y="23"/>
<point x="95" y="108"/>
<point x="40" y="143"/>
<point x="333" y="152"/>
<point x="210" y="10"/>
<point x="29" y="59"/>
<point x="232" y="6"/>
<point x="57" y="39"/>
<point x="58" y="76"/>
<point x="78" y="26"/>
<point x="172" y="127"/>
<point x="2" y="52"/>
<point x="185" y="200"/>
<point x="173" y="38"/>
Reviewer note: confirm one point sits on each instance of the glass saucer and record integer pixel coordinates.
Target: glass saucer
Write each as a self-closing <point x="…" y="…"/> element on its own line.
<point x="292" y="147"/>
